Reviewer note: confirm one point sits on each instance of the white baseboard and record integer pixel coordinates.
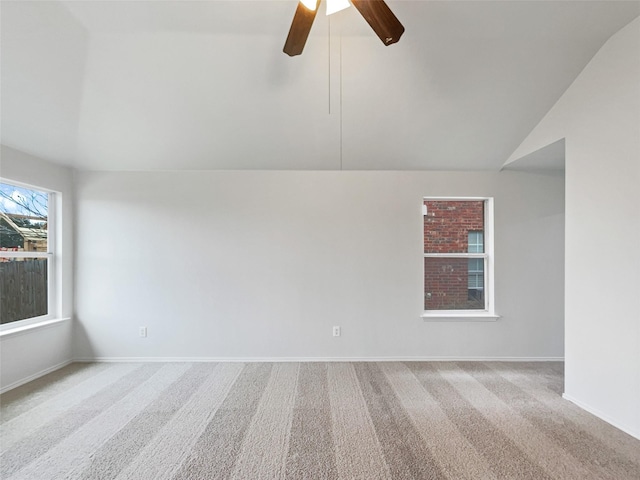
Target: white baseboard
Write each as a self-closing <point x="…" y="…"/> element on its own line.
<point x="602" y="416"/>
<point x="30" y="378"/>
<point x="319" y="359"/>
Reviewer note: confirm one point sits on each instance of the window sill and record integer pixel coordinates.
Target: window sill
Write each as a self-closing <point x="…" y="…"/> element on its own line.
<point x="34" y="326"/>
<point x="460" y="317"/>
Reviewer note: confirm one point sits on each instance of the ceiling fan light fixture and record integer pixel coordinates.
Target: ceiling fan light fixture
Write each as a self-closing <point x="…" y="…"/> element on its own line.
<point x="376" y="12"/>
<point x="310" y="4"/>
<point x="334" y="6"/>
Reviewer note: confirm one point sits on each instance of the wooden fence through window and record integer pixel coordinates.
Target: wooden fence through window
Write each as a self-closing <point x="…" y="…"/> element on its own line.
<point x="23" y="289"/>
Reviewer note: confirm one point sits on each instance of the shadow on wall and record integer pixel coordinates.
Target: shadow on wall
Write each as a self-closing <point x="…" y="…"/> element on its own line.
<point x="82" y="346"/>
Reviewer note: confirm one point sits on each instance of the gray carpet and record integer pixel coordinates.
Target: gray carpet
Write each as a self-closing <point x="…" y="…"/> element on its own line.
<point x="449" y="420"/>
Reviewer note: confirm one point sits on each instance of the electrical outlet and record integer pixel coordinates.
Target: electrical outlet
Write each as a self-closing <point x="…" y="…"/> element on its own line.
<point x="336" y="331"/>
<point x="143" y="331"/>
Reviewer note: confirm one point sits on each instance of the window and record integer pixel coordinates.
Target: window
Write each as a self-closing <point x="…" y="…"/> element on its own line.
<point x="476" y="265"/>
<point x="26" y="246"/>
<point x="457" y="257"/>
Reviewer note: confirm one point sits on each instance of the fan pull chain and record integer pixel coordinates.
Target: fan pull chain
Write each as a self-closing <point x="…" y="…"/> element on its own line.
<point x="340" y="53"/>
<point x="329" y="48"/>
<point x="329" y="69"/>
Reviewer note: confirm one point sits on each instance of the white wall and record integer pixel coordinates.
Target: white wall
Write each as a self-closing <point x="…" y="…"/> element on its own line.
<point x="263" y="264"/>
<point x="600" y="117"/>
<point x="28" y="354"/>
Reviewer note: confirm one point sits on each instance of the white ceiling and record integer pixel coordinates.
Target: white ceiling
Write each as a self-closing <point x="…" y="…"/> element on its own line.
<point x="145" y="85"/>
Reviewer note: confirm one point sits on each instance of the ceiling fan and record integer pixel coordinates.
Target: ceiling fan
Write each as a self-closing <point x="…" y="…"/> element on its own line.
<point x="376" y="12"/>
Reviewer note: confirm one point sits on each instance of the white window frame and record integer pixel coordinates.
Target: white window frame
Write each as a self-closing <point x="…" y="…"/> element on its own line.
<point x="52" y="284"/>
<point x="489" y="312"/>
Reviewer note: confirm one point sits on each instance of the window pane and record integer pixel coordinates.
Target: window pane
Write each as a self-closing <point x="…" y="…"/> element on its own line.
<point x="23" y="288"/>
<point x="448" y="223"/>
<point x="476" y="242"/>
<point x="23" y="219"/>
<point x="448" y="284"/>
<point x="476" y="274"/>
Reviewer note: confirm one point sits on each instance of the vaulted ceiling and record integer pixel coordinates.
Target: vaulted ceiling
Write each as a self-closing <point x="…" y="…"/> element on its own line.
<point x="147" y="85"/>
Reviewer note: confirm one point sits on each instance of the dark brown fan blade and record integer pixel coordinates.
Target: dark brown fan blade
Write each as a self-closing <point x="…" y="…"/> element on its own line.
<point x="300" y="28"/>
<point x="380" y="17"/>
